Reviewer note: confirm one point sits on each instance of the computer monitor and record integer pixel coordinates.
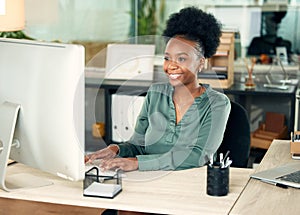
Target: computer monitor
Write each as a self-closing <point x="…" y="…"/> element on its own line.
<point x="42" y="107"/>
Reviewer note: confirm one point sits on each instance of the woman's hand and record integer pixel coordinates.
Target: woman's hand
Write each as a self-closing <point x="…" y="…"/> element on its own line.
<point x="125" y="164"/>
<point x="107" y="153"/>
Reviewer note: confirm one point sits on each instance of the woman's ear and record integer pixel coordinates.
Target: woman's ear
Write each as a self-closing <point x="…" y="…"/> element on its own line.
<point x="201" y="63"/>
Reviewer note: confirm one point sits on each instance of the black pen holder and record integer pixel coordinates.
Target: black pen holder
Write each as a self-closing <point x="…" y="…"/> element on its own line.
<point x="217" y="180"/>
<point x="92" y="175"/>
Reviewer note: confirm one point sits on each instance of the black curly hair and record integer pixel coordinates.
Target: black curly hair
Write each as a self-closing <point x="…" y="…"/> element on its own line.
<point x="194" y="24"/>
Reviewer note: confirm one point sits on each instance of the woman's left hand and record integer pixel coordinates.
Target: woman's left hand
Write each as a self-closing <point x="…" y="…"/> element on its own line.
<point x="125" y="164"/>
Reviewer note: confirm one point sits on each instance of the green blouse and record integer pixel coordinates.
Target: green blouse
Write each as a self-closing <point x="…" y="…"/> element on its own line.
<point x="161" y="144"/>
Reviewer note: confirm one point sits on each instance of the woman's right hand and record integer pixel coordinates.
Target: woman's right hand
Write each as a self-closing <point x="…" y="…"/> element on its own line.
<point x="107" y="153"/>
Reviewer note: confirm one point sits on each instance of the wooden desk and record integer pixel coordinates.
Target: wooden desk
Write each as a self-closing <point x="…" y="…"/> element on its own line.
<point x="177" y="192"/>
<point x="263" y="198"/>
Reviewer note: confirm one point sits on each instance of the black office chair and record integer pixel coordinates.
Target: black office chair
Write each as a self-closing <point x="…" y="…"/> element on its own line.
<point x="237" y="136"/>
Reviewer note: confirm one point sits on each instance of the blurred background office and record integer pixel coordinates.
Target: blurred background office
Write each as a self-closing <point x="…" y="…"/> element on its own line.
<point x="265" y="44"/>
<point x="106" y="21"/>
<point x="268" y="40"/>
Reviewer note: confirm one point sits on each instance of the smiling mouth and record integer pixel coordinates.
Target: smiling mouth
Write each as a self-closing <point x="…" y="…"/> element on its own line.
<point x="174" y="76"/>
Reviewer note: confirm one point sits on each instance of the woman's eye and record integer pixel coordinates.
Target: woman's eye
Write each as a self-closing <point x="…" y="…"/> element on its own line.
<point x="181" y="59"/>
<point x="166" y="58"/>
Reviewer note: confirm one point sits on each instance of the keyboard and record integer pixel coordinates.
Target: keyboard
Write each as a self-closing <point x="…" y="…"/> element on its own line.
<point x="292" y="177"/>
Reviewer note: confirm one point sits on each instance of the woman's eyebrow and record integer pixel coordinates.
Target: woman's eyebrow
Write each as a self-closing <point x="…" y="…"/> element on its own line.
<point x="178" y="54"/>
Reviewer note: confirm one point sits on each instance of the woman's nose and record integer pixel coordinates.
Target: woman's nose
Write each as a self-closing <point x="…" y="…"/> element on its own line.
<point x="172" y="65"/>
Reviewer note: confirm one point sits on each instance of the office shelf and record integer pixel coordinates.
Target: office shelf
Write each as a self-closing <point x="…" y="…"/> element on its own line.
<point x="219" y="68"/>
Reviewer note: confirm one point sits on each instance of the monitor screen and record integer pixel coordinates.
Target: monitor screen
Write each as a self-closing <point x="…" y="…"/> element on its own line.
<point x="46" y="80"/>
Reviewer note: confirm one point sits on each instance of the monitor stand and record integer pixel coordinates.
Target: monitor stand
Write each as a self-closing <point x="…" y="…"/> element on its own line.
<point x="8" y="120"/>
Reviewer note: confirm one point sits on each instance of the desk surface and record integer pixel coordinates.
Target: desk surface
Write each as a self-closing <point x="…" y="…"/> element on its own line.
<point x="177" y="192"/>
<point x="266" y="198"/>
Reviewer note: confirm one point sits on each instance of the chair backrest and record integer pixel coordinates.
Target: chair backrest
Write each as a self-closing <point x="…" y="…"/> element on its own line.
<point x="237" y="136"/>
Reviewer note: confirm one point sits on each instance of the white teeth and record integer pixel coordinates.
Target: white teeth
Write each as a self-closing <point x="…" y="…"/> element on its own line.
<point x="174" y="76"/>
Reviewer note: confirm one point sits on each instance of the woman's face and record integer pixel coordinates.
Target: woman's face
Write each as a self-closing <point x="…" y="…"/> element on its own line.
<point x="182" y="61"/>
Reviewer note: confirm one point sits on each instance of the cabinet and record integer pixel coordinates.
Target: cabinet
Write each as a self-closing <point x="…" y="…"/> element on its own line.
<point x="218" y="71"/>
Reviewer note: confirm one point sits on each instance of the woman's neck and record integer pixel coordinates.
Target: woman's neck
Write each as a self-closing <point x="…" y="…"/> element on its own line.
<point x="184" y="97"/>
<point x="185" y="93"/>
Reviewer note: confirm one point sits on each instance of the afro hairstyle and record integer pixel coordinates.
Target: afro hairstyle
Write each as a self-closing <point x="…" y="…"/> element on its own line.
<point x="194" y="24"/>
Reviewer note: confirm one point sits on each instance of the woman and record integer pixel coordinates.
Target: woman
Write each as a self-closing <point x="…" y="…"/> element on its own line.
<point x="181" y="122"/>
<point x="268" y="41"/>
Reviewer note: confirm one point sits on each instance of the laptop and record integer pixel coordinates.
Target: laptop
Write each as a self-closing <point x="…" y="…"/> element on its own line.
<point x="287" y="175"/>
<point x="130" y="61"/>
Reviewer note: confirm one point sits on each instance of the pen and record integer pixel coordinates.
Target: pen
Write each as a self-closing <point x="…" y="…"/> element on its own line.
<point x="276" y="184"/>
<point x="228" y="163"/>
<point x="281" y="185"/>
<point x="221" y="160"/>
<point x="226" y="155"/>
<point x="211" y="159"/>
